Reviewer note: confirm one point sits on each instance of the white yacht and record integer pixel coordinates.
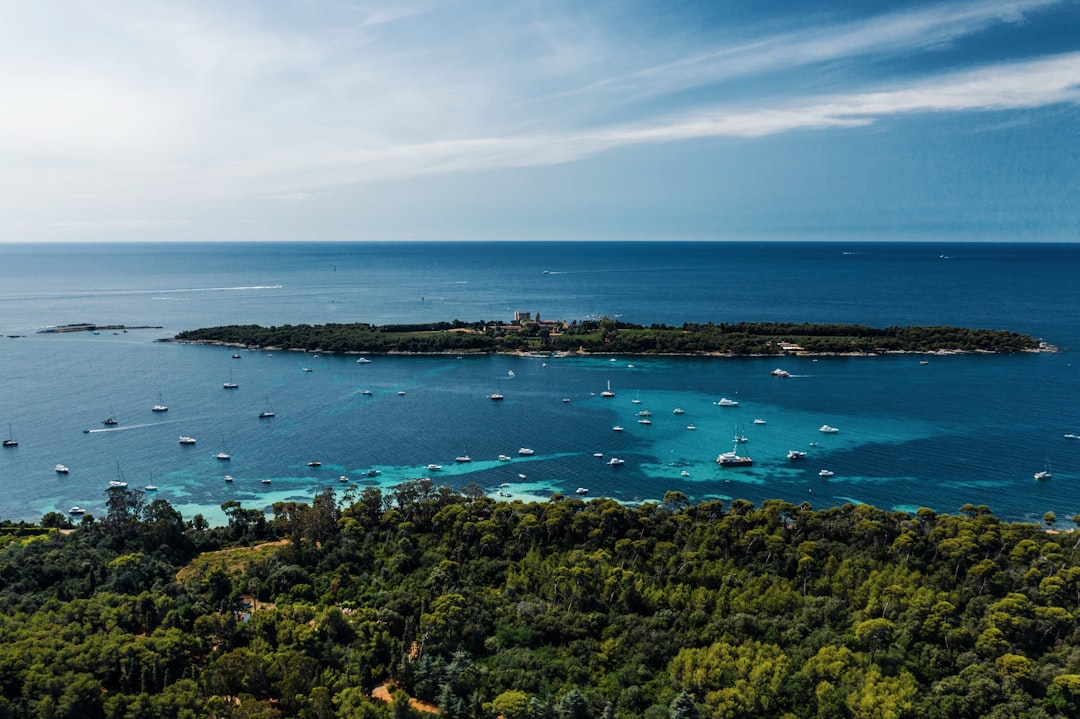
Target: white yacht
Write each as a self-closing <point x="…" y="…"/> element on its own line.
<point x="187" y="440"/>
<point x="526" y="452"/>
<point x="725" y="402"/>
<point x="795" y="454"/>
<point x="733" y="459"/>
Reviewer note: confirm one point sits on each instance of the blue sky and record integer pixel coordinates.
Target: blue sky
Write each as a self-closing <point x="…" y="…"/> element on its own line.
<point x="406" y="119"/>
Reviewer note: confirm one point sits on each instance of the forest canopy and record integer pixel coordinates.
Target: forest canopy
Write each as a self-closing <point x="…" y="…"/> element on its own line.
<point x="565" y="609"/>
<point x="610" y="336"/>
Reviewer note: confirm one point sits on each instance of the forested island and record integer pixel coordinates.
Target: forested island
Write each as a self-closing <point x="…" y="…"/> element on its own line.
<point x="611" y="336"/>
<point x="449" y="602"/>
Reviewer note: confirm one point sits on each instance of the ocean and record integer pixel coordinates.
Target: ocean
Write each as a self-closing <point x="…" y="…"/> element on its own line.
<point x="959" y="429"/>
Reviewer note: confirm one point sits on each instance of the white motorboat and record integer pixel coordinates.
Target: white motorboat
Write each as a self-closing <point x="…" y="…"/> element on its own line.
<point x="644" y="420"/>
<point x="827" y="429"/>
<point x="780" y="373"/>
<point x="228" y="478"/>
<point x="678" y="410"/>
<point x="691" y="427"/>
<point x="684" y="473"/>
<point x="826" y="473"/>
<point x="616" y="462"/>
<point x="495" y="396"/>
<point x="463" y="458"/>
<point x="76" y="510"/>
<point x="581" y="490"/>
<point x="61" y="469"/>
<point x="759" y="421"/>
<point x="186" y="440"/>
<point x="1045" y="472"/>
<point x="363" y="360"/>
<point x="725" y="402"/>
<point x="795" y="454"/>
<point x="117" y="484"/>
<point x="504" y="458"/>
<point x="526" y="452"/>
<point x="617" y="428"/>
<point x="434" y="467"/>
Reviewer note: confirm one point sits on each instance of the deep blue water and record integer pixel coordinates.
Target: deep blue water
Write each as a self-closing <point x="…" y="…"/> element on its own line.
<point x="959" y="429"/>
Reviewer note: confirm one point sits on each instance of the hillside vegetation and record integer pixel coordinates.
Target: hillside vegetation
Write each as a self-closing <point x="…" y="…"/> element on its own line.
<point x="564" y="609"/>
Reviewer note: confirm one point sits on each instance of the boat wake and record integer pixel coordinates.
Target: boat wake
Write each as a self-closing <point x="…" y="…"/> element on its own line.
<point x="133" y="426"/>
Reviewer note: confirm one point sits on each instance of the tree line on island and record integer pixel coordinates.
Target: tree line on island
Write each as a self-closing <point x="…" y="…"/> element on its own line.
<point x="564" y="609"/>
<point x="610" y="336"/>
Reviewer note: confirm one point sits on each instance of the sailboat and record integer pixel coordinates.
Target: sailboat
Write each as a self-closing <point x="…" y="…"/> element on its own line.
<point x="607" y="392"/>
<point x="268" y="412"/>
<point x="160" y="406"/>
<point x="119" y="482"/>
<point x="11" y="441"/>
<point x="230" y="384"/>
<point x="224" y="455"/>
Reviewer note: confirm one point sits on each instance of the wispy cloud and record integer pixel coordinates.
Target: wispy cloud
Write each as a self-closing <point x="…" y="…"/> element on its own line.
<point x="897" y="33"/>
<point x="168" y="105"/>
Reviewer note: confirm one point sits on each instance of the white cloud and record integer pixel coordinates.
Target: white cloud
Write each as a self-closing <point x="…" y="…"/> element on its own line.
<point x="154" y="107"/>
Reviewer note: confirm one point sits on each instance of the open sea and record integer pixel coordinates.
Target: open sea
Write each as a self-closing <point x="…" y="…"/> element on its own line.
<point x="959" y="429"/>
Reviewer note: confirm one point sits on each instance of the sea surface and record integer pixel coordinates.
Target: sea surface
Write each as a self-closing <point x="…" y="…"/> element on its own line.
<point x="958" y="429"/>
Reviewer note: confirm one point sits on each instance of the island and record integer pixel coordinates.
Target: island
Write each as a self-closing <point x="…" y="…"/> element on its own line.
<point x="607" y="336"/>
<point x="91" y="327"/>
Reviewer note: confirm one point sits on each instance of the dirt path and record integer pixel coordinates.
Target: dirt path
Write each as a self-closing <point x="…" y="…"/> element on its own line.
<point x="382" y="693"/>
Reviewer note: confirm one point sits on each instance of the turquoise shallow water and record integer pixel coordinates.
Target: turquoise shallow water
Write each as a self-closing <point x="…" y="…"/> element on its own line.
<point x="959" y="429"/>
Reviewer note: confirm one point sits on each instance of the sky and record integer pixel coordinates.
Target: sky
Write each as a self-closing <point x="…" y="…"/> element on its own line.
<point x="270" y="120"/>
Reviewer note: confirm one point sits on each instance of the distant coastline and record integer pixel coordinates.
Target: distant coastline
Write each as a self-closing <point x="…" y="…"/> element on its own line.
<point x="531" y="336"/>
